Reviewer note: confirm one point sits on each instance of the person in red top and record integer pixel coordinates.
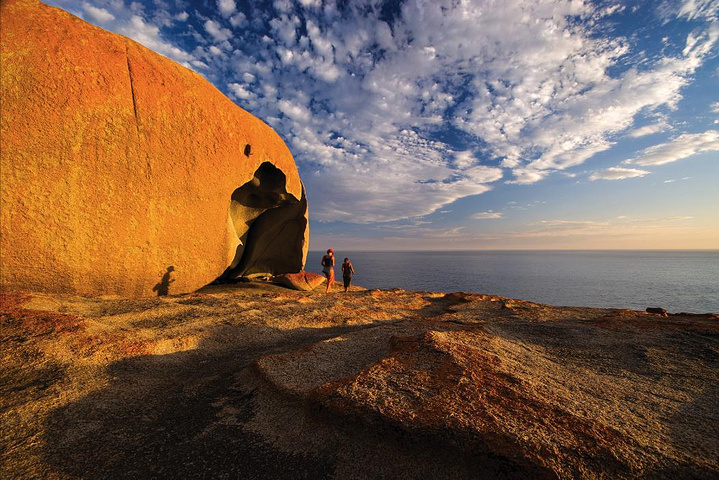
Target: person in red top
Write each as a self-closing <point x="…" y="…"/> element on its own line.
<point x="347" y="272"/>
<point x="328" y="268"/>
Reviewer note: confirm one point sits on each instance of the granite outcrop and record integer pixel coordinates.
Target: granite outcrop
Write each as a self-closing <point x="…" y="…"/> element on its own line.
<point x="125" y="173"/>
<point x="253" y="380"/>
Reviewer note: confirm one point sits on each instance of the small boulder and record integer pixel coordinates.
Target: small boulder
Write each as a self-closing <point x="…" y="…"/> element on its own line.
<point x="301" y="280"/>
<point x="459" y="297"/>
<point x="658" y="311"/>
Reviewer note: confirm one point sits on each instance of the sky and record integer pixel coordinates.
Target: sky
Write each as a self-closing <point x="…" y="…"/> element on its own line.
<point x="487" y="124"/>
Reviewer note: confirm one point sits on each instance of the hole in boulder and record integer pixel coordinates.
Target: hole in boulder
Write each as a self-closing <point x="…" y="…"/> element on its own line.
<point x="269" y="225"/>
<point x="248" y="150"/>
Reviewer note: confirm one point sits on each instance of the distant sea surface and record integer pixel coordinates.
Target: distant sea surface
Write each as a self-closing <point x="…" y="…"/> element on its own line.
<point x="678" y="280"/>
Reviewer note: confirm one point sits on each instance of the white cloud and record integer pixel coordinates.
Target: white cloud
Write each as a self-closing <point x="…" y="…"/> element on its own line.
<point x="238" y="20"/>
<point x="310" y="3"/>
<point x="526" y="176"/>
<point x="676" y="180"/>
<point x="683" y="146"/>
<point x="487" y="215"/>
<point x="483" y="174"/>
<point x="240" y="91"/>
<point x="611" y="10"/>
<point x="618" y="173"/>
<point x="535" y="87"/>
<point x="715" y="107"/>
<point x="692" y="9"/>
<point x="464" y="159"/>
<point x="295" y="111"/>
<point x="408" y="178"/>
<point x="149" y="35"/>
<point x="285" y="29"/>
<point x="216" y="31"/>
<point x="99" y="15"/>
<point x="198" y="64"/>
<point x="546" y="100"/>
<point x="647" y="130"/>
<point x="226" y="7"/>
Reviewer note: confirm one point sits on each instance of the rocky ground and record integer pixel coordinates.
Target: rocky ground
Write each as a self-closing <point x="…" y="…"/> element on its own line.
<point x="257" y="381"/>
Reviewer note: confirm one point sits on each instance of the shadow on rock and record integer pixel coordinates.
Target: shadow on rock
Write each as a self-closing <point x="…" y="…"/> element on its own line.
<point x="158" y="418"/>
<point x="163" y="286"/>
<point x="194" y="414"/>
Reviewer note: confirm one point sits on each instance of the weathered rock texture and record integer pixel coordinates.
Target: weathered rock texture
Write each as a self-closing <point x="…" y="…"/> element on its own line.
<point x="555" y="392"/>
<point x="257" y="381"/>
<point x="125" y="173"/>
<point x="303" y="280"/>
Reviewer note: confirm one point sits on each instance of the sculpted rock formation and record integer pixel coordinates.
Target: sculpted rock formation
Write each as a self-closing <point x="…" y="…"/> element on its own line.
<point x="125" y="173"/>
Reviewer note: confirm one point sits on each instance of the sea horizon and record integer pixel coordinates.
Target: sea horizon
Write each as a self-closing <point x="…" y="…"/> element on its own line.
<point x="532" y="250"/>
<point x="678" y="280"/>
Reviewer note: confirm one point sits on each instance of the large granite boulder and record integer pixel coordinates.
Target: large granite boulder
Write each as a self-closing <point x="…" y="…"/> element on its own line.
<point x="126" y="173"/>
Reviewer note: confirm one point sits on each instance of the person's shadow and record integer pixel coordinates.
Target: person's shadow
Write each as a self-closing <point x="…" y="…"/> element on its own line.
<point x="163" y="288"/>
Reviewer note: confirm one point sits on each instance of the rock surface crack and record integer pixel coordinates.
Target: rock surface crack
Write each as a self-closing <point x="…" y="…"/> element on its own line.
<point x="132" y="90"/>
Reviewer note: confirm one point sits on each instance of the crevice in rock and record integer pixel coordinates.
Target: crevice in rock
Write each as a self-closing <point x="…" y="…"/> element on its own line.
<point x="132" y="90"/>
<point x="148" y="165"/>
<point x="270" y="224"/>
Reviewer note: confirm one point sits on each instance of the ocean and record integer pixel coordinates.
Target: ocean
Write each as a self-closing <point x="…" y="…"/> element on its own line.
<point x="678" y="280"/>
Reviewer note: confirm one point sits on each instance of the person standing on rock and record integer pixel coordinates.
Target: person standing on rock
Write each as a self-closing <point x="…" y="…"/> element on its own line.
<point x="347" y="272"/>
<point x="328" y="268"/>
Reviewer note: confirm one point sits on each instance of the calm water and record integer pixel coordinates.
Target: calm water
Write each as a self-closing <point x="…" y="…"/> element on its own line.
<point x="676" y="280"/>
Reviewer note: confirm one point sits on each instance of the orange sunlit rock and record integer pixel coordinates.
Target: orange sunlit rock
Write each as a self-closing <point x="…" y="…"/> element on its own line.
<point x="121" y="169"/>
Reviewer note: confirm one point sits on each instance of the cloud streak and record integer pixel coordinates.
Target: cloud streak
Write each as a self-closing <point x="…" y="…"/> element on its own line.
<point x="487" y="215"/>
<point x="683" y="146"/>
<point x="648" y="130"/>
<point x="618" y="173"/>
<point x="622" y="232"/>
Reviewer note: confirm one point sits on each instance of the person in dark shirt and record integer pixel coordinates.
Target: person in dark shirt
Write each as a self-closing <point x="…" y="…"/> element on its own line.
<point x="328" y="268"/>
<point x="347" y="272"/>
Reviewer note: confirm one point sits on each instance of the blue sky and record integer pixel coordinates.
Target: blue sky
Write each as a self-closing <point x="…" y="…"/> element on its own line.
<point x="470" y="124"/>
